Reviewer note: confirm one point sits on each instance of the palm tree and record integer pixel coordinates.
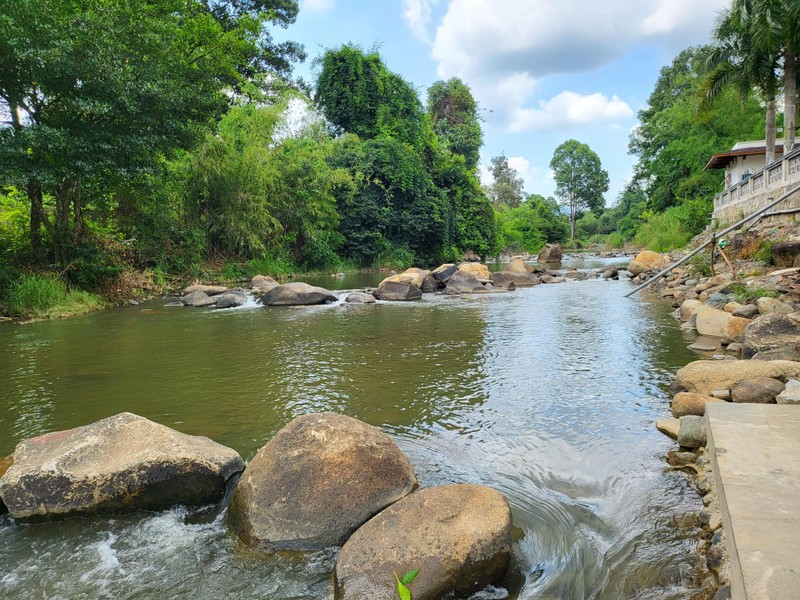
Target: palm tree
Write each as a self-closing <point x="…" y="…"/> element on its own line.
<point x="735" y="61"/>
<point x="774" y="27"/>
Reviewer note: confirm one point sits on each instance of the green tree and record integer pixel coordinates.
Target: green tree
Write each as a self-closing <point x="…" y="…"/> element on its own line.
<point x="775" y="29"/>
<point x="529" y="226"/>
<point x="454" y="114"/>
<point x="358" y="94"/>
<point x="506" y="189"/>
<point x="675" y="139"/>
<point x="735" y="61"/>
<point x="581" y="180"/>
<point x="97" y="92"/>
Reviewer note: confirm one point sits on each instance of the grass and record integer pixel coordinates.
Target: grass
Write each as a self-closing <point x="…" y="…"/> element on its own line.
<point x="46" y="296"/>
<point x="615" y="241"/>
<point x="744" y="293"/>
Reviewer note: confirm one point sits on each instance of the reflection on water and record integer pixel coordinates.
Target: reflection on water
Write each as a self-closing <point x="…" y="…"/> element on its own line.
<point x="547" y="394"/>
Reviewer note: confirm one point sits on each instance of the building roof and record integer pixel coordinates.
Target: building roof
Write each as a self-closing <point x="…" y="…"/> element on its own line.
<point x="723" y="159"/>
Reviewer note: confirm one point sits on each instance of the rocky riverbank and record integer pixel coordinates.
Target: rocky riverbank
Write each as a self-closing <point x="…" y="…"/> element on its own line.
<point x="747" y="321"/>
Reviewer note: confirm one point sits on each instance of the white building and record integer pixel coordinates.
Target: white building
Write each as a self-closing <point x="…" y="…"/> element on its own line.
<point x="743" y="160"/>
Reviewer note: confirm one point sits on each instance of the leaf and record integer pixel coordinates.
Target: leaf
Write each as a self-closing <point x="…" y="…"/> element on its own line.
<point x="409" y="577"/>
<point x="402" y="590"/>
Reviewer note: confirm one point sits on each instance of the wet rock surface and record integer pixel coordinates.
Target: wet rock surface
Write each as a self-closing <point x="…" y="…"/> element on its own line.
<point x="121" y="463"/>
<point x="316" y="481"/>
<point x="458" y="536"/>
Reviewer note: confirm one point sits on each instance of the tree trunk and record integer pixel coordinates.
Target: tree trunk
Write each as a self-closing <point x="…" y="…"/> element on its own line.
<point x="79" y="227"/>
<point x="769" y="131"/>
<point x="789" y="99"/>
<point x="38" y="218"/>
<point x="572" y="210"/>
<point x="61" y="229"/>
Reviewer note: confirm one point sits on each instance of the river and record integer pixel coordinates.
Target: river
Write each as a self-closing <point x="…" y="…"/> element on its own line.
<point x="548" y="394"/>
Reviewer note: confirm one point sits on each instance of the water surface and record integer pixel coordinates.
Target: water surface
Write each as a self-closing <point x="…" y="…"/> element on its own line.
<point x="547" y="394"/>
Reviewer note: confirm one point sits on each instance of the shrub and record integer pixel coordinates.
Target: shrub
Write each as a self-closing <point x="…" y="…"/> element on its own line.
<point x="615" y="240"/>
<point x="764" y="252"/>
<point x="33" y="295"/>
<point x="701" y="264"/>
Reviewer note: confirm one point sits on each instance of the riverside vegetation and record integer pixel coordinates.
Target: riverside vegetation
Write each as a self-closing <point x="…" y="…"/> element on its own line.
<point x="121" y="176"/>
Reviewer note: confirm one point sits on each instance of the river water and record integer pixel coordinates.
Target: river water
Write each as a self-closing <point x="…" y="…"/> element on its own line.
<point x="547" y="394"/>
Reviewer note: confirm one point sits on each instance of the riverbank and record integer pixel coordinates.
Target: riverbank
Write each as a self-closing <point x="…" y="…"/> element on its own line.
<point x="746" y="316"/>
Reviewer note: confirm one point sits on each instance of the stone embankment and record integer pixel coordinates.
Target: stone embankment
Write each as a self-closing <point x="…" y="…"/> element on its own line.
<point x="748" y="325"/>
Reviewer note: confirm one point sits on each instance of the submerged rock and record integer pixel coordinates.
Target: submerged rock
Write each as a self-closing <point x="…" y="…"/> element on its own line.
<point x="121" y="463"/>
<point x="297" y="294"/>
<point x="316" y="481"/>
<point x="458" y="536"/>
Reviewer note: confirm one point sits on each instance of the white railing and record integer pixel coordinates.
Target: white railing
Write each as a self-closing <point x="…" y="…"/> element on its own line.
<point x="744" y="197"/>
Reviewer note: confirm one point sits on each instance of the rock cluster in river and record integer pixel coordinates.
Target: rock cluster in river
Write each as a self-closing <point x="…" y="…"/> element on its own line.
<point x="323" y="480"/>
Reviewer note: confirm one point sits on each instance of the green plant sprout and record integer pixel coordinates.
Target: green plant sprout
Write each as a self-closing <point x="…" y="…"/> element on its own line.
<point x="402" y="590"/>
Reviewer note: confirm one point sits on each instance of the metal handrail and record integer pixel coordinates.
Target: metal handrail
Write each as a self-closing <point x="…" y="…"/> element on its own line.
<point x="697" y="250"/>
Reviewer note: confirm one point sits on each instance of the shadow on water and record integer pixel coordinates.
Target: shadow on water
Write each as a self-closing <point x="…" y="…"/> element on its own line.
<point x="547" y="394"/>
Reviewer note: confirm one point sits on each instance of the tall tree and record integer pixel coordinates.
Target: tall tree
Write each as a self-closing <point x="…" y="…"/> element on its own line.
<point x="775" y="28"/>
<point x="581" y="181"/>
<point x="674" y="139"/>
<point x="506" y="189"/>
<point x="454" y="114"/>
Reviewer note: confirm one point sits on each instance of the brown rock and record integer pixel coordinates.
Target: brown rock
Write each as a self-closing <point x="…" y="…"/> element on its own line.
<point x="712" y="321"/>
<point x="646" y="261"/>
<point x="758" y="390"/>
<point x="263" y="282"/>
<point x="670" y="427"/>
<point x="412" y="276"/>
<point x="785" y="253"/>
<point x="316" y="481"/>
<point x="124" y="462"/>
<point x="477" y="270"/>
<point x="687" y="403"/>
<point x="736" y="327"/>
<point x="550" y="253"/>
<point x="297" y="294"/>
<point x="771" y="332"/>
<point x="397" y="291"/>
<point x="444" y="273"/>
<point x="208" y="290"/>
<point x="464" y="283"/>
<point x="705" y="376"/>
<point x="518" y="266"/>
<point x="688" y="308"/>
<point x="458" y="536"/>
<point x="198" y="299"/>
<point x="504" y="279"/>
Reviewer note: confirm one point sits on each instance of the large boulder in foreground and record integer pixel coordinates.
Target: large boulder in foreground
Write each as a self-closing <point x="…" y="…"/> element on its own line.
<point x="477" y="270"/>
<point x="458" y="536"/>
<point x="646" y="261"/>
<point x="705" y="376"/>
<point x="510" y="281"/>
<point x="412" y="276"/>
<point x="121" y="463"/>
<point x="712" y="321"/>
<point x="462" y="282"/>
<point x="316" y="481"/>
<point x="297" y="294"/>
<point x="771" y="332"/>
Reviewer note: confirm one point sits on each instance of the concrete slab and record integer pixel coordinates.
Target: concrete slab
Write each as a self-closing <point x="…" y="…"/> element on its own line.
<point x="755" y="452"/>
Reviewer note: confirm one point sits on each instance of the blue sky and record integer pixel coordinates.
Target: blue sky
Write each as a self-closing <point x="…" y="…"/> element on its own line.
<point x="543" y="71"/>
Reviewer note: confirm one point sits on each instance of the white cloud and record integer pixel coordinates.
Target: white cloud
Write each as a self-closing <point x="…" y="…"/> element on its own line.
<point x="417" y="15"/>
<point x="504" y="49"/>
<point x="537" y="180"/>
<point x="477" y="37"/>
<point x="318" y="5"/>
<point x="569" y="109"/>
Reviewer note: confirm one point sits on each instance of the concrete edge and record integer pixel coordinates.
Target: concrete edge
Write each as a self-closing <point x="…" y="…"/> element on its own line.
<point x="737" y="578"/>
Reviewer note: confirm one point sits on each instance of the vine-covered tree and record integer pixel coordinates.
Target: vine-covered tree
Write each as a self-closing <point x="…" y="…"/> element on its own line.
<point x="358" y="94"/>
<point x="506" y="189"/>
<point x="454" y="114"/>
<point x="581" y="180"/>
